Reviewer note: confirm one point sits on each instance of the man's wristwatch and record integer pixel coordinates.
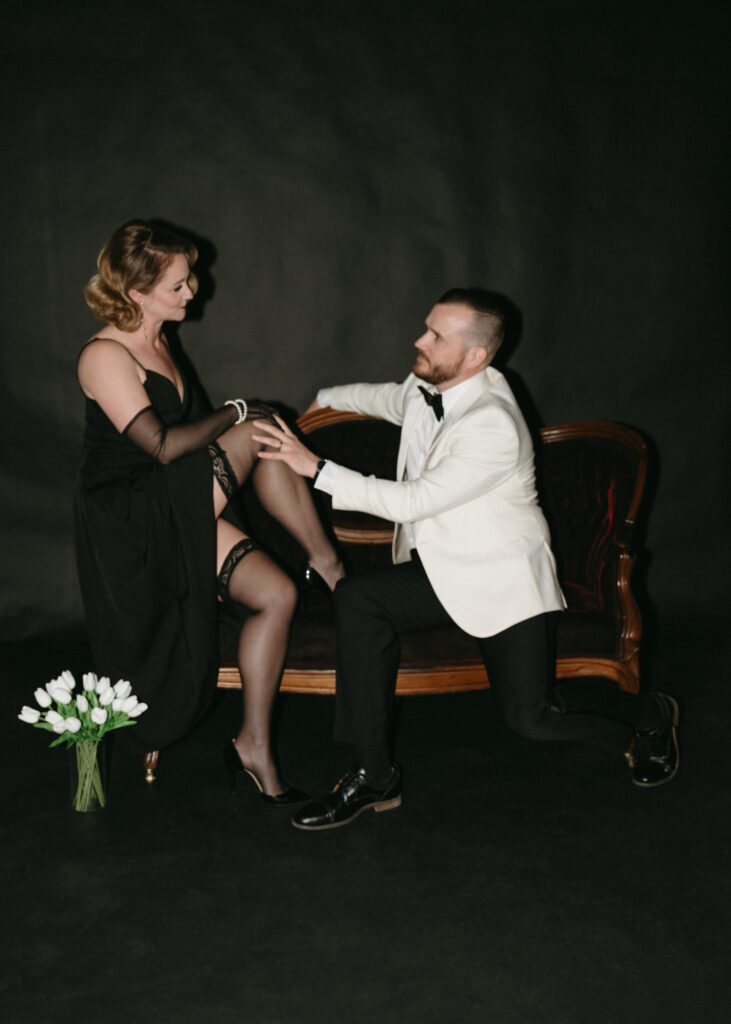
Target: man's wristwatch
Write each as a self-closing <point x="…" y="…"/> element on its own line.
<point x="320" y="467"/>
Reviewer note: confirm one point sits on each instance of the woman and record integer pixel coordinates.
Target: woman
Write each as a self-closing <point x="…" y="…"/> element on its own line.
<point x="153" y="550"/>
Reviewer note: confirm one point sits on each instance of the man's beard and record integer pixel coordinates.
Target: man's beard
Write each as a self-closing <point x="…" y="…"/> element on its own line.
<point x="437" y="374"/>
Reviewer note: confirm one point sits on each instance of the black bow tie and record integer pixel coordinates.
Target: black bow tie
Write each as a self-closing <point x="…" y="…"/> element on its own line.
<point x="434" y="400"/>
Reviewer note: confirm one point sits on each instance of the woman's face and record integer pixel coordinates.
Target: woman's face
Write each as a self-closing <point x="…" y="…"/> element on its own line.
<point x="170" y="294"/>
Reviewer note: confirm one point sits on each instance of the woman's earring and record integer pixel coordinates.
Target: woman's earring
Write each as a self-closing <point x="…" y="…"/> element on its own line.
<point x="144" y="329"/>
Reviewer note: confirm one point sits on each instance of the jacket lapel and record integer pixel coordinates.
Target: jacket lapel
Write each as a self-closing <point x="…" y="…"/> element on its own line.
<point x="478" y="389"/>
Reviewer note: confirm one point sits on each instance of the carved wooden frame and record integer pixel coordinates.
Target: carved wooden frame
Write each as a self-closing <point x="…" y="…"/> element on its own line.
<point x="623" y="669"/>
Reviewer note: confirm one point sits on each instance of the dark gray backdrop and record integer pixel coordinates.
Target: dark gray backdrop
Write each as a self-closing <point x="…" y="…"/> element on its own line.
<point x="343" y="162"/>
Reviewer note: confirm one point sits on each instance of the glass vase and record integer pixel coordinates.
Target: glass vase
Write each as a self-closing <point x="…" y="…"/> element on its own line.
<point x="87" y="760"/>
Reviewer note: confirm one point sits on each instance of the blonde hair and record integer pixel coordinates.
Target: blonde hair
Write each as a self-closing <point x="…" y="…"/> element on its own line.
<point x="135" y="256"/>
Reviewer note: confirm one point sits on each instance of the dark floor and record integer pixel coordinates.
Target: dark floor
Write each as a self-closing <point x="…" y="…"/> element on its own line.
<point x="518" y="883"/>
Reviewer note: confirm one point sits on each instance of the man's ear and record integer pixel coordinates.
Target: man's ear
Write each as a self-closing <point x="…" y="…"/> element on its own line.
<point x="476" y="356"/>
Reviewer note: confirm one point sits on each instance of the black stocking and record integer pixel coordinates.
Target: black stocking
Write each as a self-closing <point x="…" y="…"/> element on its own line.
<point x="251" y="579"/>
<point x="283" y="493"/>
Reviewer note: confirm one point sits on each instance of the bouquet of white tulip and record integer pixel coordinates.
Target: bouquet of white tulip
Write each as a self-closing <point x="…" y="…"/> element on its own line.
<point x="82" y="719"/>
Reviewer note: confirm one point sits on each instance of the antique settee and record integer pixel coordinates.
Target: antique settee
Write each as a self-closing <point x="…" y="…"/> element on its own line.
<point x="591" y="478"/>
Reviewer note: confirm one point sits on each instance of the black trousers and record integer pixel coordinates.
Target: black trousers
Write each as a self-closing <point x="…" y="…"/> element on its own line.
<point x="374" y="607"/>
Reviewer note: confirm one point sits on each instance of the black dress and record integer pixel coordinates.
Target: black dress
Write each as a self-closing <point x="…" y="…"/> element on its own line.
<point x="146" y="554"/>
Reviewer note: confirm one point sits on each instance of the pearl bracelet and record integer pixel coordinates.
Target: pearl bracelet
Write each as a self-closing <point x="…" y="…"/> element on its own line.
<point x="241" y="407"/>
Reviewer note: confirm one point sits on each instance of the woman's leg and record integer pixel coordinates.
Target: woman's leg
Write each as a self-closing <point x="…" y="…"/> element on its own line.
<point x="284" y="494"/>
<point x="270" y="597"/>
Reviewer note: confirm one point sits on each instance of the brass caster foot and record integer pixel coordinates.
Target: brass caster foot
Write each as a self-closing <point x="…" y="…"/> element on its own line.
<point x="149" y="763"/>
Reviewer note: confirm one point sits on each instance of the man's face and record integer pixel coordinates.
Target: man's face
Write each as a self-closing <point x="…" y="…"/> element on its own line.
<point x="442" y="349"/>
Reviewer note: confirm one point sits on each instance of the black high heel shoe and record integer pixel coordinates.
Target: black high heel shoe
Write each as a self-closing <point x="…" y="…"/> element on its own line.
<point x="312" y="581"/>
<point x="233" y="762"/>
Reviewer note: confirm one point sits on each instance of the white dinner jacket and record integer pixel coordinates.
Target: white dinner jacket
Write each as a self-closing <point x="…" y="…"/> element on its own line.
<point x="482" y="538"/>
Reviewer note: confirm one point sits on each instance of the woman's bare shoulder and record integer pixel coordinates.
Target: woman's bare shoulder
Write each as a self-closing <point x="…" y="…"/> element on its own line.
<point x="103" y="359"/>
<point x="105" y="350"/>
<point x="102" y="343"/>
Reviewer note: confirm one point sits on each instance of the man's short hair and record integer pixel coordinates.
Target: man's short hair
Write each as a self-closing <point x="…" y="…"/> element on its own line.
<point x="488" y="327"/>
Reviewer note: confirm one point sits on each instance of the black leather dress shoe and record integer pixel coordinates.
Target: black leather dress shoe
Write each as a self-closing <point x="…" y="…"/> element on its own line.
<point x="655" y="756"/>
<point x="353" y="794"/>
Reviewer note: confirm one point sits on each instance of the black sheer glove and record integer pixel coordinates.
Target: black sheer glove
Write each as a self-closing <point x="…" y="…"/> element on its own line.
<point x="165" y="444"/>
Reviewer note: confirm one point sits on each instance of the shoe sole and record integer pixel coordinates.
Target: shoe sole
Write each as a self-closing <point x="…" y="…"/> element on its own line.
<point x="676" y="721"/>
<point x="382" y="805"/>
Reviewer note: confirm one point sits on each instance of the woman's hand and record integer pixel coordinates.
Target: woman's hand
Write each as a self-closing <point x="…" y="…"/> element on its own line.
<point x="284" y="446"/>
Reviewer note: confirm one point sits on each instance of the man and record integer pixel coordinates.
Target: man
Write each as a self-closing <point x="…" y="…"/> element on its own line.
<point x="470" y="546"/>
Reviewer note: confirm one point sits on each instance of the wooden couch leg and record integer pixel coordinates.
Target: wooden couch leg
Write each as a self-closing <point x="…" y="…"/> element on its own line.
<point x="149" y="763"/>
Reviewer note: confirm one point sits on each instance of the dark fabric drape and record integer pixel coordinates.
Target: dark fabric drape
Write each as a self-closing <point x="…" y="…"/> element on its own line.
<point x="339" y="165"/>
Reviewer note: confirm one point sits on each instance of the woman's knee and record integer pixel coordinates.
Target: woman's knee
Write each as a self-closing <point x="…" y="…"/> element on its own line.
<point x="240" y="436"/>
<point x="278" y="595"/>
<point x="261" y="586"/>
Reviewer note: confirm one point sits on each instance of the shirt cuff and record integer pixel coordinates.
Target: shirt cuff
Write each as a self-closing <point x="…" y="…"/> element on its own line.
<point x="323" y="396"/>
<point x="326" y="477"/>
